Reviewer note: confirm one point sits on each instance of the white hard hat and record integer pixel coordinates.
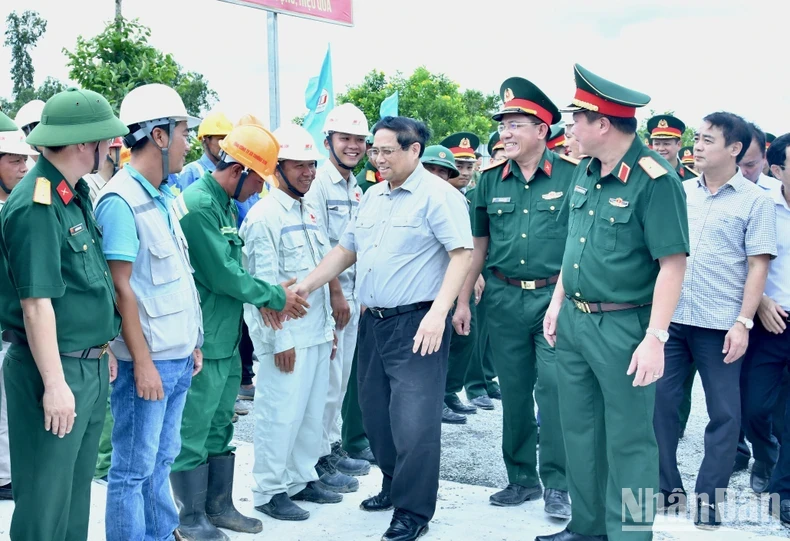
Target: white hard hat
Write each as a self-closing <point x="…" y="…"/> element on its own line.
<point x="29" y="113"/>
<point x="13" y="142"/>
<point x="153" y="105"/>
<point x="296" y="143"/>
<point x="346" y="118"/>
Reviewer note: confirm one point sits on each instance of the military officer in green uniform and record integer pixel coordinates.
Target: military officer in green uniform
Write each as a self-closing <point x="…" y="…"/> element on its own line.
<point x="496" y="149"/>
<point x="54" y="275"/>
<point x="666" y="133"/>
<point x="367" y="177"/>
<point x="515" y="222"/>
<point x="622" y="272"/>
<point x="557" y="141"/>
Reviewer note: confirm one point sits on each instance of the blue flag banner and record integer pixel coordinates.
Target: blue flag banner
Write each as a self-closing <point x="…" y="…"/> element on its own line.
<point x="319" y="100"/>
<point x="389" y="107"/>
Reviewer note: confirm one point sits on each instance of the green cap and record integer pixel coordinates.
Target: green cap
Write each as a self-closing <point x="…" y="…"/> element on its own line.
<point x="556" y="135"/>
<point x="769" y="138"/>
<point x="494" y="143"/>
<point x="6" y="124"/>
<point x="441" y="156"/>
<point x="665" y="127"/>
<point x="462" y="145"/>
<point x="686" y="155"/>
<point x="520" y="96"/>
<point x="594" y="93"/>
<point x="76" y="116"/>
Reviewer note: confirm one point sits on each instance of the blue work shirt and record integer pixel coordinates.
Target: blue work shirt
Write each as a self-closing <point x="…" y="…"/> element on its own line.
<point x="115" y="217"/>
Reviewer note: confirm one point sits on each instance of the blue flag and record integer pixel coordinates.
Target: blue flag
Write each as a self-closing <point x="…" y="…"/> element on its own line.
<point x="319" y="100"/>
<point x="389" y="107"/>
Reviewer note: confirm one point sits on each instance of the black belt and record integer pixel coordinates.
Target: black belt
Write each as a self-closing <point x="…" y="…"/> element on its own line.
<point x="597" y="307"/>
<point x="91" y="353"/>
<point x="526" y="284"/>
<point x="384" y="313"/>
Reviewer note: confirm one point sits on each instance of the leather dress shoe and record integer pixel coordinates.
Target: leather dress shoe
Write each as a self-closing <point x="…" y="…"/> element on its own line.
<point x="557" y="503"/>
<point x="379" y="502"/>
<point x="5" y="492"/>
<point x="567" y="535"/>
<point x="482" y="402"/>
<point x="404" y="528"/>
<point x="674" y="502"/>
<point x="455" y="404"/>
<point x="495" y="393"/>
<point x="515" y="495"/>
<point x="741" y="463"/>
<point x="784" y="511"/>
<point x="452" y="418"/>
<point x="761" y="476"/>
<point x="707" y="517"/>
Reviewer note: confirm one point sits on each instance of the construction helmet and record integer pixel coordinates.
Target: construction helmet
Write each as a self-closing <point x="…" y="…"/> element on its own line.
<point x="441" y="156"/>
<point x="214" y="124"/>
<point x="126" y="156"/>
<point x="116" y="143"/>
<point x="76" y="116"/>
<point x="296" y="143"/>
<point x="150" y="106"/>
<point x="6" y="124"/>
<point x="255" y="148"/>
<point x="346" y="118"/>
<point x="29" y="113"/>
<point x="249" y="119"/>
<point x="13" y="142"/>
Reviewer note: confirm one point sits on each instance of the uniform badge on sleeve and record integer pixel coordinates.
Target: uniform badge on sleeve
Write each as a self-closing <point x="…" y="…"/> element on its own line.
<point x="42" y="194"/>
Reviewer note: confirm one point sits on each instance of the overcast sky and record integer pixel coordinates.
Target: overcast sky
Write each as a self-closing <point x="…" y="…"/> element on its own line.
<point x="693" y="56"/>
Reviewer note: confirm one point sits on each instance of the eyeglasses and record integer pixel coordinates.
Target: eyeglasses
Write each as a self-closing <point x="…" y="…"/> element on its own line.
<point x="373" y="153"/>
<point x="513" y="125"/>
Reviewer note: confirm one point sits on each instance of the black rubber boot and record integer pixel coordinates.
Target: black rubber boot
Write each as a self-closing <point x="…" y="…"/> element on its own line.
<point x="219" y="503"/>
<point x="189" y="493"/>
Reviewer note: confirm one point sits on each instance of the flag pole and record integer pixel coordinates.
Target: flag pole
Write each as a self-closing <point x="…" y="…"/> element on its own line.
<point x="274" y="70"/>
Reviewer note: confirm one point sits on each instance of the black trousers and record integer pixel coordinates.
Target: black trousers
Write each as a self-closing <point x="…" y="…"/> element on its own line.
<point x="401" y="395"/>
<point x="246" y="350"/>
<point x="761" y="385"/>
<point x="721" y="382"/>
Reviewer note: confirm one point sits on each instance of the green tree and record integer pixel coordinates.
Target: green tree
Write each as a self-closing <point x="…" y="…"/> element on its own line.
<point x="120" y="59"/>
<point x="688" y="135"/>
<point x="433" y="98"/>
<point x="22" y="33"/>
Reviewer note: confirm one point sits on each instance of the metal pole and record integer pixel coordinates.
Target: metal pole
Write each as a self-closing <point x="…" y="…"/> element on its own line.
<point x="274" y="71"/>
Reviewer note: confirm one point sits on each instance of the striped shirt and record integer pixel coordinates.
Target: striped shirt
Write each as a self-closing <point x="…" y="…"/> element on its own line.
<point x="777" y="286"/>
<point x="725" y="228"/>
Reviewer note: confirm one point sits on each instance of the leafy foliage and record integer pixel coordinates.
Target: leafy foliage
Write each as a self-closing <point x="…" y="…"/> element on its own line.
<point x="22" y="33"/>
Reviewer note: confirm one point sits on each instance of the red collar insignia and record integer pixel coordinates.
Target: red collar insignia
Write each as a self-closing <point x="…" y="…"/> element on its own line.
<point x="623" y="173"/>
<point x="65" y="193"/>
<point x="547" y="167"/>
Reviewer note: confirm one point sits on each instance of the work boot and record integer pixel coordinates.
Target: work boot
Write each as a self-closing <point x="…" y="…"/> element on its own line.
<point x="246" y="392"/>
<point x="282" y="508"/>
<point x="346" y="464"/>
<point x="515" y="495"/>
<point x="364" y="454"/>
<point x="219" y="502"/>
<point x="761" y="476"/>
<point x="240" y="410"/>
<point x="452" y="418"/>
<point x="189" y="493"/>
<point x="331" y="479"/>
<point x="315" y="494"/>
<point x="455" y="404"/>
<point x="482" y="402"/>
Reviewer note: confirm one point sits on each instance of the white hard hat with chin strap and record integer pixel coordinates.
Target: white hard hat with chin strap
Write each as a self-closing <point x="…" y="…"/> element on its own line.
<point x="13" y="142"/>
<point x="345" y="118"/>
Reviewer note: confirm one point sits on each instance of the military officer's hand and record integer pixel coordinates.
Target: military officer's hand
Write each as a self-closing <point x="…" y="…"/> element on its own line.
<point x="197" y="360"/>
<point x="285" y="360"/>
<point x="147" y="381"/>
<point x="480" y="286"/>
<point x="735" y="343"/>
<point x="341" y="311"/>
<point x="334" y="347"/>
<point x="58" y="404"/>
<point x="428" y="339"/>
<point x="462" y="319"/>
<point x="772" y="316"/>
<point x="295" y="305"/>
<point x="550" y="322"/>
<point x="647" y="361"/>
<point x="113" y="362"/>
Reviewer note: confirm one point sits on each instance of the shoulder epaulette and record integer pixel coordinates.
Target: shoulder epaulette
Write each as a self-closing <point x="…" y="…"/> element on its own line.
<point x="652" y="167"/>
<point x="574" y="161"/>
<point x="690" y="170"/>
<point x="491" y="166"/>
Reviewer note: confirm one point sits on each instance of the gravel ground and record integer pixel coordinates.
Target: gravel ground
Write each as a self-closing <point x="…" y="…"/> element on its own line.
<point x="471" y="454"/>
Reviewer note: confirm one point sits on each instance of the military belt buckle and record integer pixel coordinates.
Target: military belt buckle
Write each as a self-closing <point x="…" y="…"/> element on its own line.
<point x="527" y="284"/>
<point x="582" y="306"/>
<point x="104" y="348"/>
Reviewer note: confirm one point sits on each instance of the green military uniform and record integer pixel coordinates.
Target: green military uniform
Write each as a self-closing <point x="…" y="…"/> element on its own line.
<point x="51" y="249"/>
<point x="208" y="217"/>
<point x="619" y="225"/>
<point x="519" y="217"/>
<point x="368" y="177"/>
<point x="557" y="140"/>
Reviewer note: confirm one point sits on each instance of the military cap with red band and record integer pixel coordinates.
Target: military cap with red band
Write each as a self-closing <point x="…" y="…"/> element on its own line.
<point x="594" y="93"/>
<point x="665" y="127"/>
<point x="556" y="136"/>
<point x="522" y="97"/>
<point x="463" y="145"/>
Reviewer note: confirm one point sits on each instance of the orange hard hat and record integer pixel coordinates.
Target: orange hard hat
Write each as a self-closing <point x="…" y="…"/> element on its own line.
<point x="255" y="148"/>
<point x="126" y="156"/>
<point x="116" y="143"/>
<point x="248" y="120"/>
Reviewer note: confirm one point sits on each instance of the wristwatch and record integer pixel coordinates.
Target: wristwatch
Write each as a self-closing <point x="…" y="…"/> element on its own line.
<point x="662" y="335"/>
<point x="746" y="322"/>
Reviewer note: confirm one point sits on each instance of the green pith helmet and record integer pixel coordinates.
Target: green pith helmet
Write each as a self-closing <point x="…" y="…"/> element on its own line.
<point x="462" y="145"/>
<point x="6" y="124"/>
<point x="494" y="143"/>
<point x="441" y="156"/>
<point x="76" y="116"/>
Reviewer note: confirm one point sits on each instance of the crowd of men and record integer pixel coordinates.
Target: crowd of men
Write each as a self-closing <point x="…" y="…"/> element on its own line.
<point x="584" y="269"/>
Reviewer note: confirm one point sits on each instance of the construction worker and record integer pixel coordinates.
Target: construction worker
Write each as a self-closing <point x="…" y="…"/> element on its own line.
<point x="14" y="153"/>
<point x="109" y="167"/>
<point x="161" y="332"/>
<point x="496" y="149"/>
<point x="202" y="474"/>
<point x="211" y="131"/>
<point x="283" y="237"/>
<point x="57" y="375"/>
<point x="335" y="195"/>
<point x="27" y="118"/>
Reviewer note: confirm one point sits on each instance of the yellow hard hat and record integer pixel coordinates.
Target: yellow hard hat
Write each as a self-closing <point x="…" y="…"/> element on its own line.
<point x="126" y="156"/>
<point x="248" y="120"/>
<point x="214" y="124"/>
<point x="255" y="148"/>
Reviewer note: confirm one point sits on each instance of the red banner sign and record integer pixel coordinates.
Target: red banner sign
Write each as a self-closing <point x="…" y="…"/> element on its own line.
<point x="328" y="11"/>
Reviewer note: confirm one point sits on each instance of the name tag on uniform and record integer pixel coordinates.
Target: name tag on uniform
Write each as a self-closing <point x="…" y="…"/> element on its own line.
<point x="580" y="189"/>
<point x="76" y="229"/>
<point x="501" y="200"/>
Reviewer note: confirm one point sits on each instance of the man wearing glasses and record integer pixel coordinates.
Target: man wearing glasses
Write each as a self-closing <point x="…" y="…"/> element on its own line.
<point x="412" y="244"/>
<point x="515" y="212"/>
